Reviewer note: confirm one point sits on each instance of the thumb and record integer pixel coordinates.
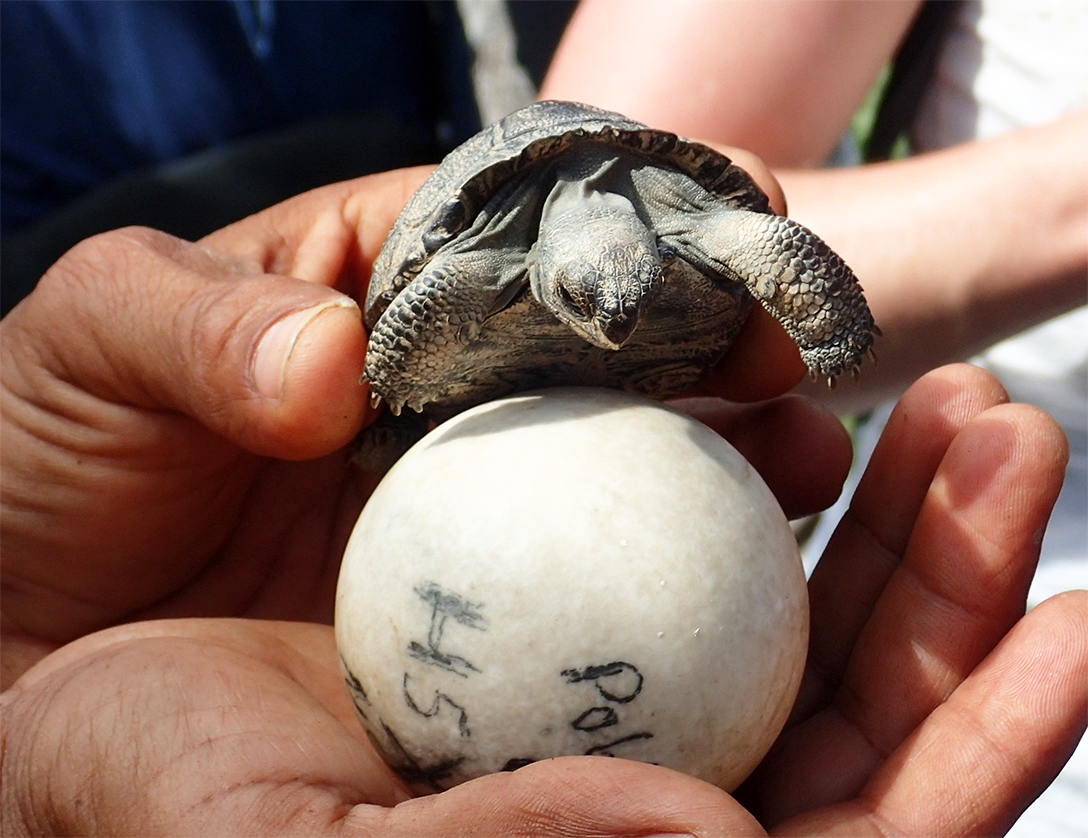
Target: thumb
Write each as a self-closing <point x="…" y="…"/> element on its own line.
<point x="569" y="796"/>
<point x="137" y="317"/>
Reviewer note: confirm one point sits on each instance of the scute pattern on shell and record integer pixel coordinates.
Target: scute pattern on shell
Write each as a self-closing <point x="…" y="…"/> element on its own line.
<point x="472" y="172"/>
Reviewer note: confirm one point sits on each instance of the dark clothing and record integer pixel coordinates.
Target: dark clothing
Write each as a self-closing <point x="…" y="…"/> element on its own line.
<point x="186" y="116"/>
<point x="94" y="90"/>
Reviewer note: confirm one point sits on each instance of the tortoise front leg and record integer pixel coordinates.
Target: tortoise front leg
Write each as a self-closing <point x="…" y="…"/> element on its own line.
<point x="414" y="347"/>
<point x="801" y="282"/>
<point x="412" y="355"/>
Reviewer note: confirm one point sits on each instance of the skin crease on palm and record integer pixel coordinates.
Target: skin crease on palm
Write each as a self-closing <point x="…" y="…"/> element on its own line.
<point x="130" y="424"/>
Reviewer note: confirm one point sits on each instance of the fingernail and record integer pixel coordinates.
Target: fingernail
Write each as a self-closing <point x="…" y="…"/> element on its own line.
<point x="277" y="344"/>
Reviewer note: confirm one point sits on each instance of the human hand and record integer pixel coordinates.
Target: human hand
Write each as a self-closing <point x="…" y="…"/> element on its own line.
<point x="171" y="416"/>
<point x="148" y="473"/>
<point x="246" y="727"/>
<point x="174" y="417"/>
<point x="929" y="706"/>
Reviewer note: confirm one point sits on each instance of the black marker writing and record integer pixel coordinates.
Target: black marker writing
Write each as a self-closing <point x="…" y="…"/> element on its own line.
<point x="595" y="718"/>
<point x="444" y="606"/>
<point x="438" y="701"/>
<point x="605" y="750"/>
<point x="618" y="681"/>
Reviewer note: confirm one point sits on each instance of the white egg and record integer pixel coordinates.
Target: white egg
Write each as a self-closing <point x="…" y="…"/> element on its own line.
<point x="574" y="571"/>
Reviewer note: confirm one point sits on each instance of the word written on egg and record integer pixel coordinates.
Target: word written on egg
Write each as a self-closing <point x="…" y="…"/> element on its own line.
<point x="446" y="700"/>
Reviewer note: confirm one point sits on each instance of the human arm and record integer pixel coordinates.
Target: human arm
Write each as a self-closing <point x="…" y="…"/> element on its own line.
<point x="781" y="80"/>
<point x="956" y="249"/>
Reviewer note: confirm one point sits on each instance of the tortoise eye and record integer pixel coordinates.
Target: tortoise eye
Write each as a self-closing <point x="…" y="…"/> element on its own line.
<point x="569" y="301"/>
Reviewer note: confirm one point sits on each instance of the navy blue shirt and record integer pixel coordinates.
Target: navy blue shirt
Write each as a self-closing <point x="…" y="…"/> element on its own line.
<point x="94" y="90"/>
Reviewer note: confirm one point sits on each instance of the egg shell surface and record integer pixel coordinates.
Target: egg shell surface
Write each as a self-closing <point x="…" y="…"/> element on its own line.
<point x="571" y="571"/>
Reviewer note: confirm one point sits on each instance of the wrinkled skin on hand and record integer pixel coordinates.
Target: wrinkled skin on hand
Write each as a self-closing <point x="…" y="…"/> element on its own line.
<point x="176" y="499"/>
<point x="175" y="416"/>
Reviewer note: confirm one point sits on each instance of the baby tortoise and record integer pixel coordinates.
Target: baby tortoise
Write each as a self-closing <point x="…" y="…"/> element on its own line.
<point x="565" y="245"/>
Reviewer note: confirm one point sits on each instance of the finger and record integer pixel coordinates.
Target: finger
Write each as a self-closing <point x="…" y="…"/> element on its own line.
<point x="294" y="237"/>
<point x="965" y="575"/>
<point x="1003" y="735"/>
<point x="869" y="542"/>
<point x="138" y="318"/>
<point x="269" y="362"/>
<point x="572" y="797"/>
<point x="962" y="584"/>
<point x="759" y="172"/>
<point x="799" y="449"/>
<point x="763" y="363"/>
<point x="992" y="748"/>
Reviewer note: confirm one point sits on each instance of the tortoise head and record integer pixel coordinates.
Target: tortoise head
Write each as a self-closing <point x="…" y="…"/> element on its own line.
<point x="595" y="264"/>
